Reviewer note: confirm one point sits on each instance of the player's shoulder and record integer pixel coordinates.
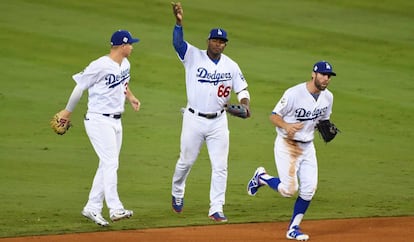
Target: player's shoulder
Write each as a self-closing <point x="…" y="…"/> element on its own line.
<point x="296" y="88"/>
<point x="227" y="58"/>
<point x="193" y="48"/>
<point x="328" y="93"/>
<point x="105" y="64"/>
<point x="94" y="65"/>
<point x="194" y="51"/>
<point x="228" y="61"/>
<point x="100" y="60"/>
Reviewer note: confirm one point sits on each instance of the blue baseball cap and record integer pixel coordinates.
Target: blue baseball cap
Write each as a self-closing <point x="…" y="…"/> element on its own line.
<point x="323" y="67"/>
<point x="218" y="34"/>
<point x="121" y="37"/>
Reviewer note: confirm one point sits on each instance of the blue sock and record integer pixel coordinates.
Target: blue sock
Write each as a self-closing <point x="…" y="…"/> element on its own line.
<point x="272" y="182"/>
<point x="299" y="211"/>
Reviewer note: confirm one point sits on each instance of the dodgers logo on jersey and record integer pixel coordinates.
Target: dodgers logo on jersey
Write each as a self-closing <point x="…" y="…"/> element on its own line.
<point x="242" y="77"/>
<point x="302" y="114"/>
<point x="215" y="77"/>
<point x="113" y="80"/>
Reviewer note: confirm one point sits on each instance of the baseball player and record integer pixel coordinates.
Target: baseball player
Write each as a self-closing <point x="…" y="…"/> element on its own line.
<point x="295" y="117"/>
<point x="210" y="77"/>
<point x="106" y="80"/>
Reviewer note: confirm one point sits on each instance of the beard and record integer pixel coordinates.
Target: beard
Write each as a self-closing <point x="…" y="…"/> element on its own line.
<point x="319" y="86"/>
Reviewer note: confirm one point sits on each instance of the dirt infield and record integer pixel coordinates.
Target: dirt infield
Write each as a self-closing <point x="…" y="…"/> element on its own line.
<point x="395" y="229"/>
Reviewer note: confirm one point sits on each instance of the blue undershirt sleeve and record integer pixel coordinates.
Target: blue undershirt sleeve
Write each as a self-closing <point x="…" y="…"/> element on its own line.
<point x="180" y="45"/>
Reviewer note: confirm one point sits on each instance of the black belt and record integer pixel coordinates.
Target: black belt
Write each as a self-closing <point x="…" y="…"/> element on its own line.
<point x="115" y="116"/>
<point x="300" y="141"/>
<point x="297" y="141"/>
<point x="206" y="115"/>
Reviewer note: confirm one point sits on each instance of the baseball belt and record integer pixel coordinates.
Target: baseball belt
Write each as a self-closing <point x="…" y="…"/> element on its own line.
<point x="206" y="115"/>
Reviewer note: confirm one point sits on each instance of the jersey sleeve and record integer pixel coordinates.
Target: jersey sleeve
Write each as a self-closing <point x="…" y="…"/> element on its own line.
<point x="179" y="44"/>
<point x="239" y="82"/>
<point x="192" y="55"/>
<point x="284" y="105"/>
<point x="327" y="114"/>
<point x="88" y="76"/>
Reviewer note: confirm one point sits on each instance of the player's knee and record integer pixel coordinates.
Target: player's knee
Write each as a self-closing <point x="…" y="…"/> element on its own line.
<point x="219" y="166"/>
<point x="307" y="195"/>
<point x="109" y="164"/>
<point x="182" y="164"/>
<point x="287" y="192"/>
<point x="187" y="158"/>
<point x="219" y="171"/>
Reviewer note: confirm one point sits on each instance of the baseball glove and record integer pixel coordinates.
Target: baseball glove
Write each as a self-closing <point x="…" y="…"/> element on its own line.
<point x="327" y="130"/>
<point x="238" y="110"/>
<point x="60" y="125"/>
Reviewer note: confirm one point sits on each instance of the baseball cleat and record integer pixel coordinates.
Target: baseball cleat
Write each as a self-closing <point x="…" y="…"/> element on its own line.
<point x="218" y="217"/>
<point x="95" y="217"/>
<point x="119" y="214"/>
<point x="254" y="183"/>
<point x="296" y="234"/>
<point x="177" y="204"/>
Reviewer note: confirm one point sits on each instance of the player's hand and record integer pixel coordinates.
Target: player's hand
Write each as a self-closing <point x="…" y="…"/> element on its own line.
<point x="291" y="129"/>
<point x="65" y="114"/>
<point x="135" y="103"/>
<point x="178" y="12"/>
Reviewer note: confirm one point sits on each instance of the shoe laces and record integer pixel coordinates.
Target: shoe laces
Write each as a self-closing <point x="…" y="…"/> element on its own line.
<point x="296" y="230"/>
<point x="95" y="214"/>
<point x="255" y="181"/>
<point x="258" y="179"/>
<point x="120" y="211"/>
<point x="178" y="201"/>
<point x="98" y="216"/>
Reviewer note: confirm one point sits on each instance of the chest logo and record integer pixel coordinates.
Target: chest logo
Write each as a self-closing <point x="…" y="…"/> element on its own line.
<point x="212" y="77"/>
<point x="112" y="80"/>
<point x="302" y="114"/>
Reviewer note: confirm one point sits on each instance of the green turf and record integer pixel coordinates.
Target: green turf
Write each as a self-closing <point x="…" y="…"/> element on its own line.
<point x="45" y="178"/>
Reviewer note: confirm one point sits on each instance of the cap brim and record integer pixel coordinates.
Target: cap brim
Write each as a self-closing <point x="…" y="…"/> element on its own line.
<point x="327" y="72"/>
<point x="133" y="40"/>
<point x="218" y="38"/>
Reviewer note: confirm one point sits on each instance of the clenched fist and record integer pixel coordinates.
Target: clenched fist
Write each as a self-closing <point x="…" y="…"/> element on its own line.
<point x="178" y="12"/>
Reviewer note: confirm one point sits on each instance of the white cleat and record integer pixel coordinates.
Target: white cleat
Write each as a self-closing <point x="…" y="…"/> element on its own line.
<point x="121" y="214"/>
<point x="95" y="217"/>
<point x="295" y="234"/>
<point x="254" y="184"/>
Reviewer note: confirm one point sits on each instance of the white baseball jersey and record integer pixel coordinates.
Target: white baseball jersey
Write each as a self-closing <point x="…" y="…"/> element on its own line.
<point x="298" y="105"/>
<point x="106" y="82"/>
<point x="208" y="84"/>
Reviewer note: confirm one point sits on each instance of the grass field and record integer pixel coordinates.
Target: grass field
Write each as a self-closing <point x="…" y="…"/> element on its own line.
<point x="45" y="178"/>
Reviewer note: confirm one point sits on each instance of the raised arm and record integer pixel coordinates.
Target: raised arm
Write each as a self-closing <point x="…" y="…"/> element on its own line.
<point x="178" y="12"/>
<point x="179" y="44"/>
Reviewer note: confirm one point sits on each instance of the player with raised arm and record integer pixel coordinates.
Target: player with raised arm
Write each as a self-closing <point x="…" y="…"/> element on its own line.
<point x="210" y="77"/>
